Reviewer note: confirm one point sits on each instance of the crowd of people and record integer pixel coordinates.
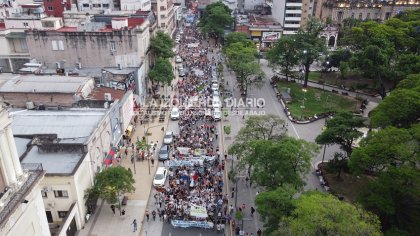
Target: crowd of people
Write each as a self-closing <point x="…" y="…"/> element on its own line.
<point x="198" y="186"/>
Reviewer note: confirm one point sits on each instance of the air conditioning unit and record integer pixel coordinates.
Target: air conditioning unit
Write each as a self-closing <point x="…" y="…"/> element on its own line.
<point x="79" y="65"/>
<point x="107" y="97"/>
<point x="30" y="105"/>
<point x="119" y="66"/>
<point x="57" y="65"/>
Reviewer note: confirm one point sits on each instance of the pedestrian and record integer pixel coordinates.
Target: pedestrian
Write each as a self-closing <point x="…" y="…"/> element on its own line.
<point x="243" y="206"/>
<point x="154" y="215"/>
<point x="259" y="232"/>
<point x="232" y="193"/>
<point x="252" y="211"/>
<point x="123" y="212"/>
<point x="147" y="215"/>
<point x="134" y="225"/>
<point x="132" y="159"/>
<point x="153" y="161"/>
<point x="113" y="209"/>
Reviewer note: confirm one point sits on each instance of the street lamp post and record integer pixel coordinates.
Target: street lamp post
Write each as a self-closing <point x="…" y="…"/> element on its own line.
<point x="147" y="143"/>
<point x="303" y="101"/>
<point x="304" y="65"/>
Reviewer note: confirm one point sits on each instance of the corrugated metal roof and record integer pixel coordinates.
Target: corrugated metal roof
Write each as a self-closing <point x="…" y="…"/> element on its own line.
<point x="71" y="126"/>
<point x="44" y="84"/>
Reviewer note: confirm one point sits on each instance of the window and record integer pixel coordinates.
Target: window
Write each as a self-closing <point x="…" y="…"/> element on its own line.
<point x="113" y="46"/>
<point x="25" y="24"/>
<point x="61" y="193"/>
<point x="85" y="5"/>
<point x="23" y="44"/>
<point x="49" y="0"/>
<point x="50" y="8"/>
<point x="57" y="45"/>
<point x="352" y="15"/>
<point x="162" y="16"/>
<point x="360" y="16"/>
<point x="44" y="194"/>
<point x="96" y="5"/>
<point x="368" y="16"/>
<point x="62" y="214"/>
<point x="105" y="5"/>
<point x="162" y="25"/>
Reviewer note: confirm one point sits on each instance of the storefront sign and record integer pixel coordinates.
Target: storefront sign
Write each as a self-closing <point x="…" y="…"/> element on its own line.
<point x="270" y="36"/>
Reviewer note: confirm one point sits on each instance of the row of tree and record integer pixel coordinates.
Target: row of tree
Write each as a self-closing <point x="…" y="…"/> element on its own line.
<point x="161" y="47"/>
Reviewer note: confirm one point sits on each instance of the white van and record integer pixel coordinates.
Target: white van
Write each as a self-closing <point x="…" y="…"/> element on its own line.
<point x="214" y="86"/>
<point x="175" y="113"/>
<point x="217" y="114"/>
<point x="216" y="102"/>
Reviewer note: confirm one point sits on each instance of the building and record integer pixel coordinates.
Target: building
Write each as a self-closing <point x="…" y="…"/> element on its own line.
<point x="30" y="91"/>
<point x="264" y="30"/>
<point x="165" y="15"/>
<point x="22" y="211"/>
<point x="14" y="51"/>
<point x="56" y="7"/>
<point x="362" y="10"/>
<point x="291" y="14"/>
<point x="136" y="5"/>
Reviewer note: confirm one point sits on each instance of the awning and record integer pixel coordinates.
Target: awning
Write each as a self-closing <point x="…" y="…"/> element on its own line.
<point x="110" y="156"/>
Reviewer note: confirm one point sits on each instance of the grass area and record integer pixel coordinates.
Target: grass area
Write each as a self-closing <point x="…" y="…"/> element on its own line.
<point x="315" y="75"/>
<point x="316" y="101"/>
<point x="348" y="186"/>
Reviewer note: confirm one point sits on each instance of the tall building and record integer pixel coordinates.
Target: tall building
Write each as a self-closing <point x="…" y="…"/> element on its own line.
<point x="165" y="14"/>
<point x="22" y="210"/>
<point x="291" y="14"/>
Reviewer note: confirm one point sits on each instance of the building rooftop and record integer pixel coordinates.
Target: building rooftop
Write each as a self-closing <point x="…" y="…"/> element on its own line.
<point x="44" y="84"/>
<point x="71" y="126"/>
<point x="99" y="93"/>
<point x="54" y="162"/>
<point x="21" y="145"/>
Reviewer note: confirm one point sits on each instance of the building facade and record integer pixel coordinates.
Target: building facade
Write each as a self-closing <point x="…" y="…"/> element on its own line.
<point x="124" y="43"/>
<point x="22" y="211"/>
<point x="165" y="15"/>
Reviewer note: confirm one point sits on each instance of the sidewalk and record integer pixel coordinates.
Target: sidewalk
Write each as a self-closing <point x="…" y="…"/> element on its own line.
<point x="103" y="222"/>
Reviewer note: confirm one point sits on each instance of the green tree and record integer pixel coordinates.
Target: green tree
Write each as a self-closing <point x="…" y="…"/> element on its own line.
<point x="215" y="18"/>
<point x="341" y="130"/>
<point x="112" y="183"/>
<point x="273" y="205"/>
<point x="285" y="55"/>
<point x="310" y="45"/>
<point x="243" y="61"/>
<point x="384" y="149"/>
<point x="394" y="196"/>
<point x="276" y="163"/>
<point x="266" y="127"/>
<point x="238" y="37"/>
<point x="317" y="213"/>
<point x="161" y="45"/>
<point x="401" y="108"/>
<point x="374" y="63"/>
<point x="162" y="72"/>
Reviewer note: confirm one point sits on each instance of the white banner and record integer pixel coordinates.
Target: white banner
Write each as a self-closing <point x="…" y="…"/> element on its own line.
<point x="270" y="36"/>
<point x="198" y="211"/>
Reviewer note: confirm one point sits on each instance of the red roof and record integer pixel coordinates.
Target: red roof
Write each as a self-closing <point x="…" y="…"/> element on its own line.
<point x="98" y="93"/>
<point x="67" y="29"/>
<point x="133" y="22"/>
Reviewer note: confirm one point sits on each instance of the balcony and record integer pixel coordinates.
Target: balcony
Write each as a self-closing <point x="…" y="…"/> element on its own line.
<point x="15" y="195"/>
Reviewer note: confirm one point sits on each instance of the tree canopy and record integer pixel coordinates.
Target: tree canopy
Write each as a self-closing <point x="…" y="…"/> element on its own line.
<point x="242" y="59"/>
<point x="273" y="205"/>
<point x="402" y="107"/>
<point x="215" y="18"/>
<point x="317" y="213"/>
<point x="161" y="45"/>
<point x="112" y="182"/>
<point x="279" y="162"/>
<point x="162" y="72"/>
<point x="266" y="127"/>
<point x="341" y="130"/>
<point x="384" y="149"/>
<point x="285" y="55"/>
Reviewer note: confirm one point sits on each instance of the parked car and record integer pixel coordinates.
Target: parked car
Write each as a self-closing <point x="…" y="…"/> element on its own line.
<point x="178" y="59"/>
<point x="168" y="138"/>
<point x="217" y="114"/>
<point x="164" y="153"/>
<point x="181" y="73"/>
<point x="175" y="113"/>
<point x="160" y="177"/>
<point x="214" y="86"/>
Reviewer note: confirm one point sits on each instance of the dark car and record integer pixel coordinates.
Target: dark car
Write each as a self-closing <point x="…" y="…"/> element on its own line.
<point x="164" y="153"/>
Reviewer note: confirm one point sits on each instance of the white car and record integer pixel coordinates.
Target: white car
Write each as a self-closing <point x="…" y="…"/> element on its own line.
<point x="215" y="86"/>
<point x="168" y="138"/>
<point x="216" y="93"/>
<point x="178" y="59"/>
<point x="216" y="102"/>
<point x="217" y="114"/>
<point x="160" y="177"/>
<point x="175" y="113"/>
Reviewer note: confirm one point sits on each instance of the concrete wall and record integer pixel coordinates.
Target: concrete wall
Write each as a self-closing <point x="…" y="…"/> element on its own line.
<point x="47" y="99"/>
<point x="29" y="219"/>
<point x="91" y="49"/>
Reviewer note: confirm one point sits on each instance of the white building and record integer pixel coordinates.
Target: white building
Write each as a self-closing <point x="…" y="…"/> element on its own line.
<point x="289" y="14"/>
<point x="134" y="5"/>
<point x="165" y="15"/>
<point x="22" y="211"/>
